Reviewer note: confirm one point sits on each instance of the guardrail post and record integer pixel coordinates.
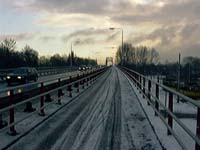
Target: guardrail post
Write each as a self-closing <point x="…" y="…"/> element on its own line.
<point x="140" y="83"/>
<point x="48" y="98"/>
<point x="134" y="78"/>
<point x="144" y="87"/>
<point x="70" y="87"/>
<point x="59" y="92"/>
<point x="137" y="81"/>
<point x="197" y="147"/>
<point x="157" y="96"/>
<point x="77" y="84"/>
<point x="2" y="122"/>
<point x="87" y="80"/>
<point x="12" y="114"/>
<point x="83" y="81"/>
<point x="158" y="79"/>
<point x="93" y="78"/>
<point x="29" y="107"/>
<point x="149" y="92"/>
<point x="90" y="79"/>
<point x="70" y="90"/>
<point x="170" y="106"/>
<point x="42" y="113"/>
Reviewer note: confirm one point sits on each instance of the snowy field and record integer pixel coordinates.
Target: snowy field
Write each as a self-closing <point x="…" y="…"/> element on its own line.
<point x="106" y="116"/>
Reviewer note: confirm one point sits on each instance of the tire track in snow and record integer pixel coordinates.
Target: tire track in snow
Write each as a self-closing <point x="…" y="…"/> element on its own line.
<point x="66" y="117"/>
<point x="72" y="134"/>
<point x="111" y="138"/>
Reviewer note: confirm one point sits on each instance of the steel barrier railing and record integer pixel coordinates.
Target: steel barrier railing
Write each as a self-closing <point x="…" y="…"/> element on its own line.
<point x="77" y="81"/>
<point x="153" y="100"/>
<point x="42" y="71"/>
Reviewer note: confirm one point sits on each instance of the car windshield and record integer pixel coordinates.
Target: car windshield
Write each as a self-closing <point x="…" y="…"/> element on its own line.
<point x="20" y="71"/>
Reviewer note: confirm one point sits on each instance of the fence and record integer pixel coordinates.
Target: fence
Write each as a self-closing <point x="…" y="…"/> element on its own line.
<point x="42" y="71"/>
<point x="154" y="101"/>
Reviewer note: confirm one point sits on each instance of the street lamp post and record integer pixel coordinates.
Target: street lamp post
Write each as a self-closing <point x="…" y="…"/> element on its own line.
<point x="71" y="56"/>
<point x="72" y="44"/>
<point x="122" y="49"/>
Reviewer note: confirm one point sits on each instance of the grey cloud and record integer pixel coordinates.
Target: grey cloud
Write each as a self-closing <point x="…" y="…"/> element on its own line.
<point x="170" y="13"/>
<point x="112" y="37"/>
<point x="47" y="38"/>
<point x="85" y="33"/>
<point x="85" y="41"/>
<point x="190" y="29"/>
<point x="188" y="45"/>
<point x="19" y="37"/>
<point x="70" y="6"/>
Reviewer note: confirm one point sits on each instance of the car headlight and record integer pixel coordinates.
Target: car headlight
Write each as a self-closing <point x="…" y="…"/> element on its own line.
<point x="19" y="77"/>
<point x="8" y="77"/>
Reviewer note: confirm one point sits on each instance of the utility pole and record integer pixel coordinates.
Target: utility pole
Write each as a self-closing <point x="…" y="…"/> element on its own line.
<point x="179" y="75"/>
<point x="122" y="48"/>
<point x="189" y="73"/>
<point x="71" y="57"/>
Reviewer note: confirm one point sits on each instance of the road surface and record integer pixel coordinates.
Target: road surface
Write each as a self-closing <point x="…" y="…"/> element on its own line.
<point x="4" y="85"/>
<point x="42" y="78"/>
<point x="108" y="116"/>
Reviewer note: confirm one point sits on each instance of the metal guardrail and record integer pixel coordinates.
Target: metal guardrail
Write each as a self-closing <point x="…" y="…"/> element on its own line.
<point x="42" y="71"/>
<point x="76" y="81"/>
<point x="153" y="100"/>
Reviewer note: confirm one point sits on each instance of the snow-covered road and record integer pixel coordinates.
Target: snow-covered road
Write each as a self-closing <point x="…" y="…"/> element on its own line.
<point x="106" y="117"/>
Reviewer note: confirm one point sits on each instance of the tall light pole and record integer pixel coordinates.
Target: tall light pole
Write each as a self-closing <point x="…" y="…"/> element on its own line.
<point x="179" y="74"/>
<point x="71" y="56"/>
<point x="72" y="43"/>
<point x="122" y="48"/>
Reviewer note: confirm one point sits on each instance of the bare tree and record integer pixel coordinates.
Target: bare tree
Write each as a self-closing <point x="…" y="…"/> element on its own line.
<point x="153" y="56"/>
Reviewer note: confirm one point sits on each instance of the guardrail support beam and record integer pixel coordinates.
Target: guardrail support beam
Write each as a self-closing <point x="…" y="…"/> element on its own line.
<point x="197" y="147"/>
<point x="59" y="92"/>
<point x="170" y="107"/>
<point x="42" y="113"/>
<point x="2" y="122"/>
<point x="77" y="84"/>
<point x="144" y="87"/>
<point x="12" y="115"/>
<point x="149" y="92"/>
<point x="69" y="88"/>
<point x="48" y="98"/>
<point x="29" y="107"/>
<point x="156" y="102"/>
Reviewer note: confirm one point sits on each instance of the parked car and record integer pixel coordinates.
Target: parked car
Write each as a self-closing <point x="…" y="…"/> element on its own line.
<point x="22" y="75"/>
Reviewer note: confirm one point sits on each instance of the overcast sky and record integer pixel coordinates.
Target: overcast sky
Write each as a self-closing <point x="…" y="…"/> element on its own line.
<point x="49" y="26"/>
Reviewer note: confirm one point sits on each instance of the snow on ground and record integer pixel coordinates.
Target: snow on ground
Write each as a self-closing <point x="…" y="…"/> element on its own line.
<point x="106" y="117"/>
<point x="181" y="107"/>
<point x="168" y="141"/>
<point x="137" y="131"/>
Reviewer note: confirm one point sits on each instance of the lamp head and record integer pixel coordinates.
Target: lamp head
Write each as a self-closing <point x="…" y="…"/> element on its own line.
<point x="112" y="28"/>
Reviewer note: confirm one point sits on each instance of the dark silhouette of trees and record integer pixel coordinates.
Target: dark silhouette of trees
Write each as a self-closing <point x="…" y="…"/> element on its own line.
<point x="7" y="53"/>
<point x="30" y="56"/>
<point x="142" y="58"/>
<point x="11" y="58"/>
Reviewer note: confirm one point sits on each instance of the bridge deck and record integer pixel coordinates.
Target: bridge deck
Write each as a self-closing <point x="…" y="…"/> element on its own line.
<point x="106" y="116"/>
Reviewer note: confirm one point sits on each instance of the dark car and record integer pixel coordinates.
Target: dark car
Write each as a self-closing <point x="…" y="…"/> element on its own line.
<point x="22" y="75"/>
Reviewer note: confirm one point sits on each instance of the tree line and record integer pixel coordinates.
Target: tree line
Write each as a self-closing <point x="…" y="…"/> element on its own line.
<point x="12" y="58"/>
<point x="140" y="58"/>
<point x="146" y="61"/>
